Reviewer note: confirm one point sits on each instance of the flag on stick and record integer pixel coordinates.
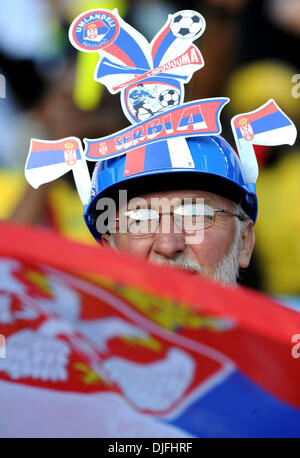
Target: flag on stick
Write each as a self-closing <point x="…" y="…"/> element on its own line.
<point x="267" y="125"/>
<point x="49" y="160"/>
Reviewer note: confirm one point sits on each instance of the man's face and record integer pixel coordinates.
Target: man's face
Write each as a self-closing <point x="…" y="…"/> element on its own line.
<point x="174" y="247"/>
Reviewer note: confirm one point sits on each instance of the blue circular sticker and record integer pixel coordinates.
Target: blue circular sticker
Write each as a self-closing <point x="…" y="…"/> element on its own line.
<point x="94" y="30"/>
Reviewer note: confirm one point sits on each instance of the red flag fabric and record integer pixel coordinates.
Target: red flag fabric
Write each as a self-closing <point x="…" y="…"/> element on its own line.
<point x="99" y="344"/>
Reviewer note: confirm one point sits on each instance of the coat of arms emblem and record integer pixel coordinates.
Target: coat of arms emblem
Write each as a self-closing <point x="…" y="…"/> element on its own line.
<point x="246" y="129"/>
<point x="70" y="153"/>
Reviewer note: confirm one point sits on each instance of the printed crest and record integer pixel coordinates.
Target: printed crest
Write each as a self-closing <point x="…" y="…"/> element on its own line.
<point x="94" y="30"/>
<point x="246" y="129"/>
<point x="102" y="148"/>
<point x="70" y="154"/>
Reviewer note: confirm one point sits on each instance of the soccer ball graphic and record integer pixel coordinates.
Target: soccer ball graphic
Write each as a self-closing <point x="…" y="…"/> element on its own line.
<point x="187" y="24"/>
<point x="169" y="98"/>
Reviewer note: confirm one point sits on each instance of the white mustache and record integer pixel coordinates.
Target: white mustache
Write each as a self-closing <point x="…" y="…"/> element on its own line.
<point x="226" y="271"/>
<point x="180" y="261"/>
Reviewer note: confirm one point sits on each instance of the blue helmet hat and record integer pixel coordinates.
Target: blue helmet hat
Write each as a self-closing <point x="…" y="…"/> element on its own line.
<point x="217" y="168"/>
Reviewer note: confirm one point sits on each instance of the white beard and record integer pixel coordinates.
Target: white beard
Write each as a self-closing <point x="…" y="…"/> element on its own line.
<point x="226" y="271"/>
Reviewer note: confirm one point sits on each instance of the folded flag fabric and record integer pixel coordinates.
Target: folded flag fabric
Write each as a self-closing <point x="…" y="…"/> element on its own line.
<point x="98" y="344"/>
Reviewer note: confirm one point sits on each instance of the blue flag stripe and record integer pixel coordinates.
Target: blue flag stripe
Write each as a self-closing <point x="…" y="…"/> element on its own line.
<point x="44" y="158"/>
<point x="238" y="407"/>
<point x="159" y="153"/>
<point x="129" y="46"/>
<point x="272" y="121"/>
<point x="163" y="47"/>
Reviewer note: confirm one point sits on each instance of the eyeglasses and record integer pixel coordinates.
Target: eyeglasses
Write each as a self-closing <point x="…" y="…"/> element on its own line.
<point x="188" y="218"/>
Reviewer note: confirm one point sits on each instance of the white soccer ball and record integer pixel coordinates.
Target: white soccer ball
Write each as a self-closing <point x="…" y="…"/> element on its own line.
<point x="169" y="98"/>
<point x="187" y="24"/>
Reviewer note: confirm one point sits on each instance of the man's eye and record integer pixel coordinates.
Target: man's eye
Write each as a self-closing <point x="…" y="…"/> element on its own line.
<point x="189" y="210"/>
<point x="138" y="217"/>
<point x="141" y="214"/>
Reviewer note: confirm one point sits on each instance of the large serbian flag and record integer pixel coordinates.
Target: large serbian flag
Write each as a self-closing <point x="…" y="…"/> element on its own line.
<point x="95" y="344"/>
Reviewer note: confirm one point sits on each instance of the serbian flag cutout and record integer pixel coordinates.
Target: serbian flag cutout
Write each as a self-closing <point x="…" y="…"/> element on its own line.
<point x="99" y="344"/>
<point x="267" y="125"/>
<point x="48" y="160"/>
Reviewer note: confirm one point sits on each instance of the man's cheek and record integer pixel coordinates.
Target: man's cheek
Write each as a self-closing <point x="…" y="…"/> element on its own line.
<point x="133" y="245"/>
<point x="210" y="251"/>
<point x="195" y="238"/>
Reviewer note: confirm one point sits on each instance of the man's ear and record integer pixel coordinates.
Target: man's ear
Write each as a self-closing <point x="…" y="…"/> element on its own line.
<point x="247" y="243"/>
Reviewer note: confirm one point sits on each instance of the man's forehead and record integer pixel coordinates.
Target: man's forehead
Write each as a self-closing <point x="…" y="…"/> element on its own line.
<point x="179" y="196"/>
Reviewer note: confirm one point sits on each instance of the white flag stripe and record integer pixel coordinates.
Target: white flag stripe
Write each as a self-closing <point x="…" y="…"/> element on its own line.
<point x="281" y="136"/>
<point x="28" y="411"/>
<point x="197" y="125"/>
<point x="180" y="154"/>
<point x="178" y="47"/>
<point x="45" y="174"/>
<point x="200" y="125"/>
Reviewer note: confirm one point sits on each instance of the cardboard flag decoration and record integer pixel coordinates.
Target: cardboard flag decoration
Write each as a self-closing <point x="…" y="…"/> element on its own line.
<point x="49" y="160"/>
<point x="150" y="78"/>
<point x="99" y="344"/>
<point x="192" y="118"/>
<point x="267" y="125"/>
<point x="127" y="60"/>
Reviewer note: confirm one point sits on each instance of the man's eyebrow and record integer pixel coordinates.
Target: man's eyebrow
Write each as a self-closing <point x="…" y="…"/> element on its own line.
<point x="181" y="200"/>
<point x="195" y="199"/>
<point x="137" y="206"/>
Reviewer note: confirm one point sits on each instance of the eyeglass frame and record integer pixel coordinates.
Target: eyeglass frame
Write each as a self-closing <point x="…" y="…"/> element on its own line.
<point x="216" y="210"/>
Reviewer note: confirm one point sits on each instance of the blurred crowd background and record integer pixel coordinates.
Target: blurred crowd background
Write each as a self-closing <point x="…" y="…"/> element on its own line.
<point x="251" y="53"/>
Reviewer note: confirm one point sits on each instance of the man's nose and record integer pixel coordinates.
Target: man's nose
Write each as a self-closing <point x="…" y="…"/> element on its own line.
<point x="168" y="242"/>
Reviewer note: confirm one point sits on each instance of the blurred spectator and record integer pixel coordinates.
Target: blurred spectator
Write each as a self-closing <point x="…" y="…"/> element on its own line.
<point x="286" y="14"/>
<point x="278" y="224"/>
<point x="57" y="204"/>
<point x="265" y="36"/>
